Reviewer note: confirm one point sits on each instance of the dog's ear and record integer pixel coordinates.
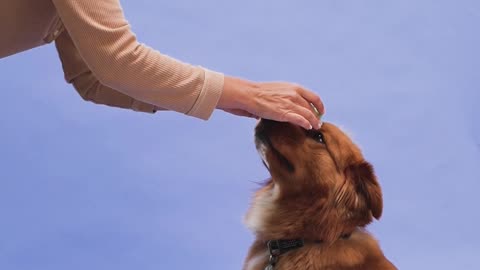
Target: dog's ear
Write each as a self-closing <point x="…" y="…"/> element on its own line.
<point x="366" y="184"/>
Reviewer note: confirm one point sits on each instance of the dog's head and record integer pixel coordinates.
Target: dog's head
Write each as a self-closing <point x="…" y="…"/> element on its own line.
<point x="320" y="186"/>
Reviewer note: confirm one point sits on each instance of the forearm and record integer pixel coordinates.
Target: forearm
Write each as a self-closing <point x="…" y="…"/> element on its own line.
<point x="106" y="43"/>
<point x="90" y="89"/>
<point x="87" y="85"/>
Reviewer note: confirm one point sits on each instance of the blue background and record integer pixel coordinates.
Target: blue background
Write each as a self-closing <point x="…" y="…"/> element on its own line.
<point x="90" y="187"/>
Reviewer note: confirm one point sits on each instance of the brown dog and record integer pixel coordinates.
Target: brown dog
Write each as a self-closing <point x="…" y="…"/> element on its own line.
<point x="311" y="213"/>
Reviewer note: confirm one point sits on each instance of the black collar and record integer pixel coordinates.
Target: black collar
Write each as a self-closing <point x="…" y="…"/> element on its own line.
<point x="281" y="246"/>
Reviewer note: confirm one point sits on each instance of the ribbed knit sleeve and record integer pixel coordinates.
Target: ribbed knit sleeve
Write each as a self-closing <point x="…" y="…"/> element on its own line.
<point x="107" y="45"/>
<point x="87" y="85"/>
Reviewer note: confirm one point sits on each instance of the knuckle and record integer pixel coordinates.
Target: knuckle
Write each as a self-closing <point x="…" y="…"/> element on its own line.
<point x="285" y="116"/>
<point x="295" y="87"/>
<point x="297" y="99"/>
<point x="292" y="95"/>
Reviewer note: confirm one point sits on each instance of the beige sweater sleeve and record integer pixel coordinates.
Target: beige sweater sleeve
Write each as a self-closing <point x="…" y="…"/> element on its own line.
<point x="111" y="51"/>
<point x="87" y="85"/>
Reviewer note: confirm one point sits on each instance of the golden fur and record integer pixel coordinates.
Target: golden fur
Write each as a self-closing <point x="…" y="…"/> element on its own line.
<point x="321" y="188"/>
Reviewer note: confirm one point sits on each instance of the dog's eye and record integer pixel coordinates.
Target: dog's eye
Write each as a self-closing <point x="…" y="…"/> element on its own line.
<point x="316" y="136"/>
<point x="319" y="137"/>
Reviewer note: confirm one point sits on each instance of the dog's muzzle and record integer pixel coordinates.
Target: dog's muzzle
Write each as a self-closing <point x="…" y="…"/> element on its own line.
<point x="262" y="144"/>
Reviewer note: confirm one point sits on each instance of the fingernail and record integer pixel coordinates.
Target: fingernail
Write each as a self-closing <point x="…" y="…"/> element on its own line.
<point x="320" y="123"/>
<point x="310" y="127"/>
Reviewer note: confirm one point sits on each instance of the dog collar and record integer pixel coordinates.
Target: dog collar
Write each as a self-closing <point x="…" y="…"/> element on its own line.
<point x="281" y="246"/>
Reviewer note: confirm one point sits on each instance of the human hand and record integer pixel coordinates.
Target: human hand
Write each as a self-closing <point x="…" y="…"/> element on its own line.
<point x="279" y="101"/>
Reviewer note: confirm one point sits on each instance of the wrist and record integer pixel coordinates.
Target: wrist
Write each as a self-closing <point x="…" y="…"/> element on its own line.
<point x="236" y="93"/>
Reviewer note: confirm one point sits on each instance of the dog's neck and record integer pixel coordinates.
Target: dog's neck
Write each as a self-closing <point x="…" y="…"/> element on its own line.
<point x="322" y="225"/>
<point x="324" y="232"/>
<point x="309" y="217"/>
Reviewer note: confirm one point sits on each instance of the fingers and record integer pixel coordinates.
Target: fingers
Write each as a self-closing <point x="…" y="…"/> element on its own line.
<point x="298" y="120"/>
<point x="305" y="110"/>
<point x="313" y="98"/>
<point x="308" y="116"/>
